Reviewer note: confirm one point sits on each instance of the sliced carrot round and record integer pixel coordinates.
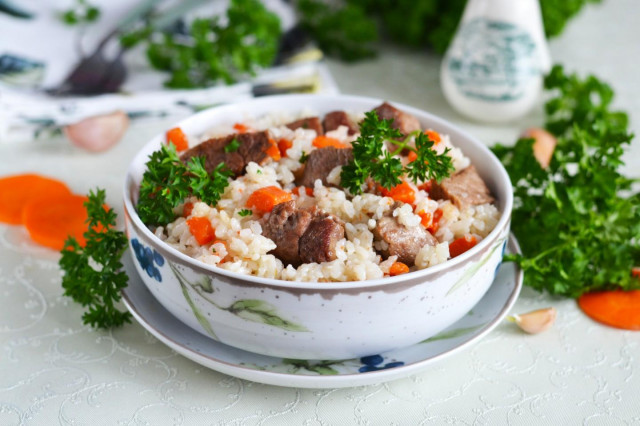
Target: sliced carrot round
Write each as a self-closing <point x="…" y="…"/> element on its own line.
<point x="18" y="190"/>
<point x="50" y="220"/>
<point x="616" y="308"/>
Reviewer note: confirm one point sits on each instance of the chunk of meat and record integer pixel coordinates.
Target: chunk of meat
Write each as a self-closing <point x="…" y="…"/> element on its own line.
<point x="285" y="225"/>
<point x="312" y="123"/>
<point x="402" y="241"/>
<point x="318" y="243"/>
<point x="321" y="162"/>
<point x="302" y="235"/>
<point x="252" y="147"/>
<point x="402" y="121"/>
<point x="464" y="189"/>
<point x="335" y="119"/>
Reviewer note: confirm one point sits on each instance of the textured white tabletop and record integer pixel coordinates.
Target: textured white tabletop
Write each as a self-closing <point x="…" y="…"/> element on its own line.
<point x="53" y="370"/>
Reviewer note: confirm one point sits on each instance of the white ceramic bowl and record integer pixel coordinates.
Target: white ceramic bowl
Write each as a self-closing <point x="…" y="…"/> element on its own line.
<point x="317" y="320"/>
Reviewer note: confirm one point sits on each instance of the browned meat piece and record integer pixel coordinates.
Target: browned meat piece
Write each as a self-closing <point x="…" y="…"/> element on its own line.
<point x="312" y="123"/>
<point x="403" y="242"/>
<point x="302" y="235"/>
<point x="253" y="147"/>
<point x="402" y="121"/>
<point x="335" y="119"/>
<point x="318" y="244"/>
<point x="285" y="225"/>
<point x="321" y="162"/>
<point x="465" y="188"/>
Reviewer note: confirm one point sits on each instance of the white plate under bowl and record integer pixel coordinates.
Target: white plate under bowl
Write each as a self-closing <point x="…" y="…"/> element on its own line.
<point x="484" y="317"/>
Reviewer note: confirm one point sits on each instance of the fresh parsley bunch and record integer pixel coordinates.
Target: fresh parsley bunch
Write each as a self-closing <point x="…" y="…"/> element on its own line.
<point x="578" y="221"/>
<point x="168" y="181"/>
<point x="371" y="160"/>
<point x="92" y="274"/>
<point x="214" y="49"/>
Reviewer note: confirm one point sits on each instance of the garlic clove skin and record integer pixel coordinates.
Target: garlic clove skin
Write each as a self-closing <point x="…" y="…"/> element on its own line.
<point x="535" y="321"/>
<point x="543" y="146"/>
<point x="99" y="133"/>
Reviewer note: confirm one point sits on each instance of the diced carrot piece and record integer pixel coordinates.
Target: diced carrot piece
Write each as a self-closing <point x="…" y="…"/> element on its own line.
<point x="177" y="137"/>
<point x="412" y="156"/>
<point x="264" y="199"/>
<point x="616" y="308"/>
<point x="307" y="190"/>
<point x="635" y="272"/>
<point x="241" y="128"/>
<point x="398" y="268"/>
<point x="19" y="190"/>
<point x="435" y="222"/>
<point x="200" y="227"/>
<point x="433" y="136"/>
<point x="50" y="220"/>
<point x="401" y="192"/>
<point x="325" y="141"/>
<point x="273" y="151"/>
<point x="462" y="244"/>
<point x="283" y="146"/>
<point x="426" y="218"/>
<point x="187" y="209"/>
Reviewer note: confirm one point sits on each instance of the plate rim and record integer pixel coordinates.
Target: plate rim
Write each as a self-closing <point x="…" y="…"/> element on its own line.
<point x="320" y="381"/>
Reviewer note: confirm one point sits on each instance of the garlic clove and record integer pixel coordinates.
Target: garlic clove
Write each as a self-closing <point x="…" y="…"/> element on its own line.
<point x="543" y="146"/>
<point x="98" y="133"/>
<point x="535" y="321"/>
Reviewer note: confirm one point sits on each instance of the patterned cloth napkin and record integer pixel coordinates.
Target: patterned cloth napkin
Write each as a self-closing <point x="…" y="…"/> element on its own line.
<point x="37" y="51"/>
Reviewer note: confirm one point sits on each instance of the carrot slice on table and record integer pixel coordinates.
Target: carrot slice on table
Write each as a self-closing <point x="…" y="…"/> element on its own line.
<point x="200" y="227"/>
<point x="401" y="192"/>
<point x="177" y="137"/>
<point x="462" y="244"/>
<point x="18" y="190"/>
<point x="264" y="199"/>
<point x="50" y="220"/>
<point x="616" y="308"/>
<point x="398" y="268"/>
<point x="325" y="141"/>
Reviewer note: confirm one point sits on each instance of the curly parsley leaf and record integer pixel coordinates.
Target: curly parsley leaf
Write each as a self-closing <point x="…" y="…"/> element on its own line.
<point x="577" y="220"/>
<point x="214" y="49"/>
<point x="93" y="274"/>
<point x="372" y="161"/>
<point x="167" y="182"/>
<point x="245" y="212"/>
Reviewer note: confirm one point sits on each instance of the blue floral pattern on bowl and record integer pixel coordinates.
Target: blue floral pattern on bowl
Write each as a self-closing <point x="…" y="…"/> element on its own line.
<point x="374" y="363"/>
<point x="148" y="258"/>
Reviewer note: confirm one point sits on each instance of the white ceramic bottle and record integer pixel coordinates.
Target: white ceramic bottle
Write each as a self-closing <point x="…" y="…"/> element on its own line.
<point x="494" y="67"/>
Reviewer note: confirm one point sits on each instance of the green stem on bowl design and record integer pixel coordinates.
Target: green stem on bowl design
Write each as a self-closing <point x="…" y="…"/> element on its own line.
<point x="196" y="312"/>
<point x="472" y="270"/>
<point x="248" y="309"/>
<point x="323" y="368"/>
<point x="452" y="334"/>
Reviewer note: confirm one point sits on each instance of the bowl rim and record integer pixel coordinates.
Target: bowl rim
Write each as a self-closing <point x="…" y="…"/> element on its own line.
<point x="423" y="274"/>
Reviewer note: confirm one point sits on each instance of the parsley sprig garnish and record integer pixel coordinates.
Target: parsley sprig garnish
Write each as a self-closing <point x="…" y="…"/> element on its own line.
<point x="371" y="160"/>
<point x="93" y="274"/>
<point x="168" y="181"/>
<point x="578" y="221"/>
